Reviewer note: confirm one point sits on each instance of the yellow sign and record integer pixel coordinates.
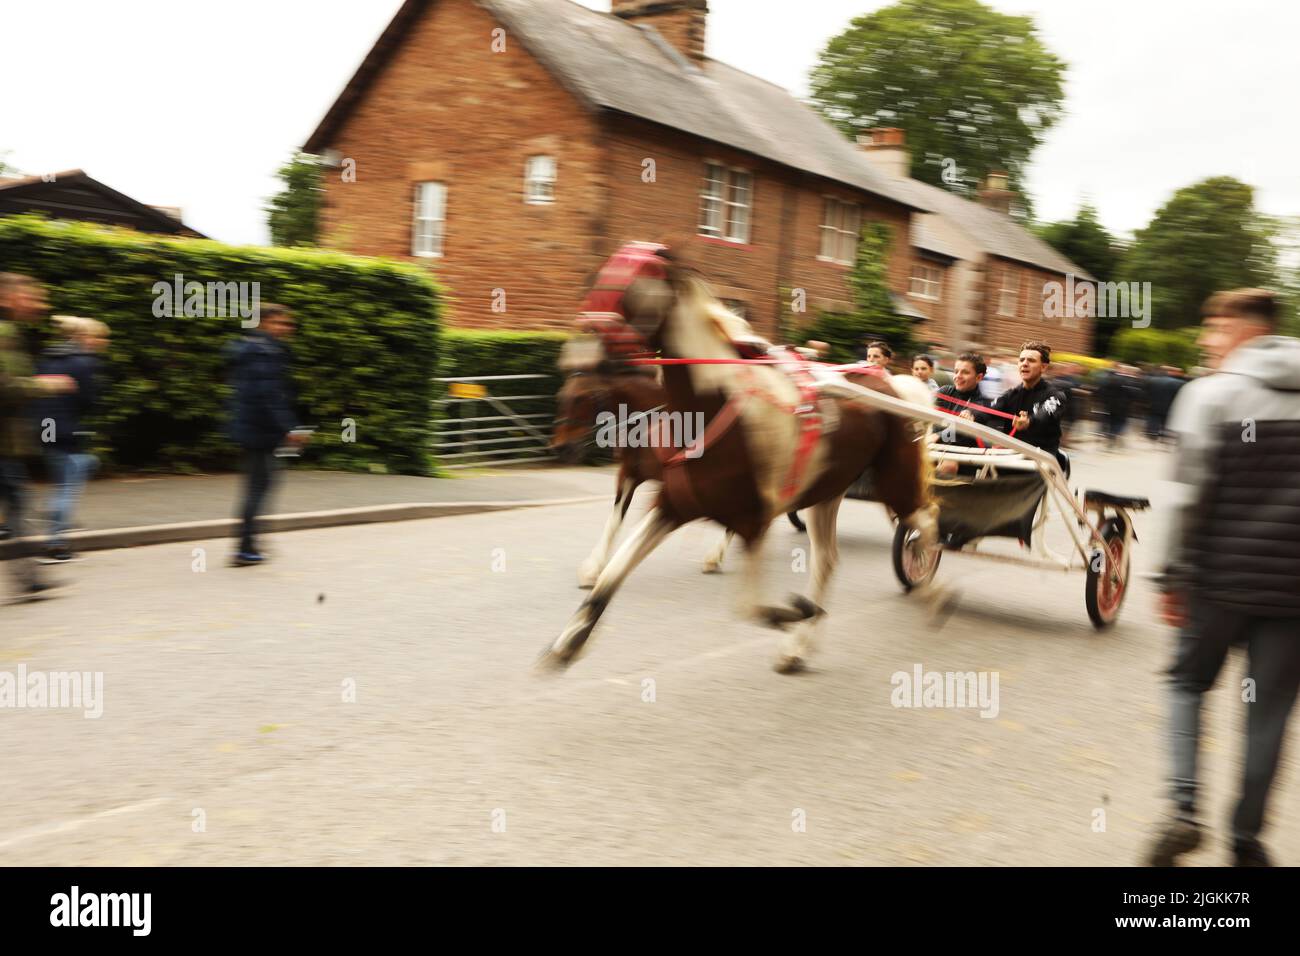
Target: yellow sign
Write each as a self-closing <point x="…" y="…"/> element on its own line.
<point x="466" y="390"/>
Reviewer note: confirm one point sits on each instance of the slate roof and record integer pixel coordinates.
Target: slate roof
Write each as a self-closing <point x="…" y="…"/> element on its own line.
<point x="992" y="231"/>
<point x="611" y="64"/>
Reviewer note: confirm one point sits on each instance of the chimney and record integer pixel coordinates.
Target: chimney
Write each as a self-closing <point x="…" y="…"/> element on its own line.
<point x="995" y="193"/>
<point x="886" y="148"/>
<point x="680" y="22"/>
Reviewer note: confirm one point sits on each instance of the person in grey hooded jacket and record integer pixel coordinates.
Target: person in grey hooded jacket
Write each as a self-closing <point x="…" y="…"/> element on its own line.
<point x="1232" y="571"/>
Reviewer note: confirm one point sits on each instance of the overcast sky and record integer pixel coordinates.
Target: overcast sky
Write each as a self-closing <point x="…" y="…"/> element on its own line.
<point x="195" y="104"/>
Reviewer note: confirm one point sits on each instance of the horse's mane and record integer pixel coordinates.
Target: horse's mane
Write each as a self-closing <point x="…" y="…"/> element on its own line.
<point x="728" y="327"/>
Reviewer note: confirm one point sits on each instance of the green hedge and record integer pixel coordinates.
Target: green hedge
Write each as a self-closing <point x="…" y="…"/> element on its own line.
<point x="365" y="350"/>
<point x="1157" y="346"/>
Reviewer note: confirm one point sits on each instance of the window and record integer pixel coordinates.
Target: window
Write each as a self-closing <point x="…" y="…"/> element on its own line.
<point x="539" y="180"/>
<point x="430" y="219"/>
<point x="841" y="225"/>
<point x="927" y="281"/>
<point x="725" y="203"/>
<point x="1010" y="296"/>
<point x="738" y="307"/>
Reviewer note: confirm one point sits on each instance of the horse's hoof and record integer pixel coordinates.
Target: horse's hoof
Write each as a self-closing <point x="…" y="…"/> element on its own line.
<point x="806" y="608"/>
<point x="584" y="585"/>
<point x="549" y="662"/>
<point x="789" y="664"/>
<point x="712" y="567"/>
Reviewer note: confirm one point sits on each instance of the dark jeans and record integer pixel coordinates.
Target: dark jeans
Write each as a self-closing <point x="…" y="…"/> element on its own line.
<point x="1273" y="645"/>
<point x="13" y="491"/>
<point x="259" y="475"/>
<point x="1116" y="424"/>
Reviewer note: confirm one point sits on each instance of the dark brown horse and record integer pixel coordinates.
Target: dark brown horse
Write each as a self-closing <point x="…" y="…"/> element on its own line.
<point x="751" y="469"/>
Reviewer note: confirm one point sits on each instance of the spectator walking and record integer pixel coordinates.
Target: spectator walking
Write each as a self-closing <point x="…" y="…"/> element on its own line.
<point x="68" y="459"/>
<point x="1233" y="558"/>
<point x="262" y="415"/>
<point x="1163" y="385"/>
<point x="22" y="301"/>
<point x="1116" y="393"/>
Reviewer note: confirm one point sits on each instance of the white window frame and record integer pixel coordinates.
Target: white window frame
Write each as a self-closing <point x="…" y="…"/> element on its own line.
<point x="930" y="279"/>
<point x="724" y="214"/>
<point x="429" y="219"/>
<point x="841" y="227"/>
<point x="1014" y="291"/>
<point x="540" y="174"/>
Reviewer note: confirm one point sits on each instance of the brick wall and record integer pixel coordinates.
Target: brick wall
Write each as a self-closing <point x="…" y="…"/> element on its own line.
<point x="448" y="108"/>
<point x="1009" y="331"/>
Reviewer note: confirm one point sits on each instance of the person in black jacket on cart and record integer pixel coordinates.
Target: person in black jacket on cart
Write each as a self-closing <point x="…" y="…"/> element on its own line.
<point x="1039" y="405"/>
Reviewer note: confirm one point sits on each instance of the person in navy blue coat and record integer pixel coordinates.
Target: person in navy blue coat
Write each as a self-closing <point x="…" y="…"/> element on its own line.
<point x="262" y="413"/>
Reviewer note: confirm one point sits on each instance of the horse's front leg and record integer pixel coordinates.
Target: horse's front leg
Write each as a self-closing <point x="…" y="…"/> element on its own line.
<point x="649" y="534"/>
<point x="797" y="647"/>
<point x="713" y="563"/>
<point x="595" y="562"/>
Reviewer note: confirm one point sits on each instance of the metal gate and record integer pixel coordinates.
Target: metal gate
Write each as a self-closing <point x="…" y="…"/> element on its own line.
<point x="462" y="438"/>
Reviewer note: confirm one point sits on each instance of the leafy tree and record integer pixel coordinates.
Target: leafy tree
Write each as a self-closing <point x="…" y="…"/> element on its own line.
<point x="1208" y="237"/>
<point x="1085" y="242"/>
<point x="873" y="315"/>
<point x="967" y="84"/>
<point x="293" y="214"/>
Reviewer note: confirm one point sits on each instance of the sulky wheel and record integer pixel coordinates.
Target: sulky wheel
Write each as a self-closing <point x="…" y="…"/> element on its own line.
<point x="1104" y="592"/>
<point x="913" y="563"/>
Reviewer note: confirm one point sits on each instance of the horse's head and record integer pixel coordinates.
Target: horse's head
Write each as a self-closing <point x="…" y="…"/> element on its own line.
<point x="582" y="397"/>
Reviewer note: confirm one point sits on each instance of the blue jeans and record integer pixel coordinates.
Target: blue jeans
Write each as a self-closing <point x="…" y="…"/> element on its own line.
<point x="69" y="470"/>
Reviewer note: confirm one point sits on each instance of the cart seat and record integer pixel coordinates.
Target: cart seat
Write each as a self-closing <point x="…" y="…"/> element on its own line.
<point x="1128" y="502"/>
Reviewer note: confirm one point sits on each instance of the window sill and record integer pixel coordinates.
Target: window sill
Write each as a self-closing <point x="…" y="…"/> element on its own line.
<point x="733" y="243"/>
<point x="835" y="262"/>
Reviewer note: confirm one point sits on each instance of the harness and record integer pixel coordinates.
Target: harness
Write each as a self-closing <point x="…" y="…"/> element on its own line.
<point x="604" y="315"/>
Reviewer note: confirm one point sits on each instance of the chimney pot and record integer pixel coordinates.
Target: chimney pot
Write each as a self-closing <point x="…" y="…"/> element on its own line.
<point x="681" y="22"/>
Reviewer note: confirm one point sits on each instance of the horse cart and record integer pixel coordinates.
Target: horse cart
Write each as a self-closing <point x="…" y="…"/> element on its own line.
<point x="1012" y="490"/>
<point x="1017" y="493"/>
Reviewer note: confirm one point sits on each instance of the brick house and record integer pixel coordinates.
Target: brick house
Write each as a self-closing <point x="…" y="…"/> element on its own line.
<point x="978" y="274"/>
<point x="514" y="144"/>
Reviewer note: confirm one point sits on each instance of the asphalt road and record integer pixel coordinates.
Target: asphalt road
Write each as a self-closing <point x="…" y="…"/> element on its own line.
<point x="227" y="735"/>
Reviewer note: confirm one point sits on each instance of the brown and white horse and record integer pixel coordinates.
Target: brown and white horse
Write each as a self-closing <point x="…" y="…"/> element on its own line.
<point x="584" y="396"/>
<point x="751" y="470"/>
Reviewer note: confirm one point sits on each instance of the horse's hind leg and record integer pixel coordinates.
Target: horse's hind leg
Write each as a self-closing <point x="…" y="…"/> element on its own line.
<point x="796" y="648"/>
<point x="649" y="534"/>
<point x="713" y="563"/>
